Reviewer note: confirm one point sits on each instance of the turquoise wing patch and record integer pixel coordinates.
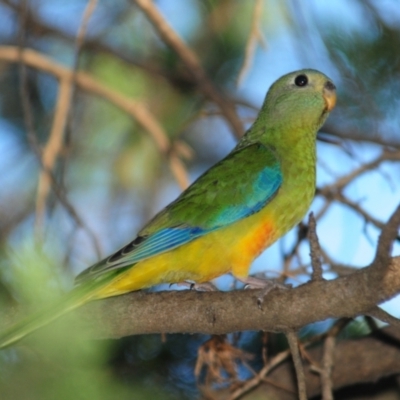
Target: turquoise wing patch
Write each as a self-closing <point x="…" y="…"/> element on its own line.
<point x="210" y="203"/>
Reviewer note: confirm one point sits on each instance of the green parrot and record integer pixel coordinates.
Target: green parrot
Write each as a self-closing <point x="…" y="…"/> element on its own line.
<point x="229" y="215"/>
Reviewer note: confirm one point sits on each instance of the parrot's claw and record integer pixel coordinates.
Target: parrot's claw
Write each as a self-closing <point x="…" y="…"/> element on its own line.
<point x="265" y="284"/>
<point x="201" y="287"/>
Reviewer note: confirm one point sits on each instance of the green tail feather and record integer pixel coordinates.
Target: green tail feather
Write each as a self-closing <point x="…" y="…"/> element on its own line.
<point x="77" y="297"/>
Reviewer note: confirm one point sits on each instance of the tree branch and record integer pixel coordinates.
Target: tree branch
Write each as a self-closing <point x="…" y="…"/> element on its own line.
<point x="315" y="249"/>
<point x="86" y="82"/>
<point x="223" y="312"/>
<point x="298" y="365"/>
<point x="191" y="61"/>
<point x="354" y="366"/>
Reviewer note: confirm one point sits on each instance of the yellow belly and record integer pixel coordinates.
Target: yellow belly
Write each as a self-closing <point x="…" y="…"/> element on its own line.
<point x="231" y="249"/>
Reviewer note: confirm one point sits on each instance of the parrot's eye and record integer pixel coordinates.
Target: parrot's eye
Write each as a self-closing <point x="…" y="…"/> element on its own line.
<point x="301" y="80"/>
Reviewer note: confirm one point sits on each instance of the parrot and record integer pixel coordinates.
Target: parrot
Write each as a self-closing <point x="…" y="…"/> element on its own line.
<point x="228" y="216"/>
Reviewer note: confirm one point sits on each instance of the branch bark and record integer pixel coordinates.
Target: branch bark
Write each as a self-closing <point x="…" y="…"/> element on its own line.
<point x="224" y="312"/>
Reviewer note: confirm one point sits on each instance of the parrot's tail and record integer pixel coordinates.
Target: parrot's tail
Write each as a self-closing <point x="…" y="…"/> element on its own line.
<point x="74" y="299"/>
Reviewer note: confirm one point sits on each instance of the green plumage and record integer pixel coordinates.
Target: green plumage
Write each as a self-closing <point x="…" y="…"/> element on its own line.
<point x="230" y="214"/>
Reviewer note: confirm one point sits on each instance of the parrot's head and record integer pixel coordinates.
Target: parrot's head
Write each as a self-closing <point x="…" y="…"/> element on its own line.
<point x="301" y="98"/>
<point x="297" y="104"/>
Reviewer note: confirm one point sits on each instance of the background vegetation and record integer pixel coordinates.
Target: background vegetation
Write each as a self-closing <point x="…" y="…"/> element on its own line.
<point x="108" y="109"/>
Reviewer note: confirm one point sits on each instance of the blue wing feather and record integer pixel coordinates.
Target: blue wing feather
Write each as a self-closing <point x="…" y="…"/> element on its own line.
<point x="264" y="189"/>
<point x="162" y="241"/>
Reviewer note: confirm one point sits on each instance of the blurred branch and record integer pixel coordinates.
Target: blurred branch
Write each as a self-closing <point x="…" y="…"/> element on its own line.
<point x="261" y="376"/>
<point x="53" y="147"/>
<point x="385" y="243"/>
<point x="352" y="356"/>
<point x="85" y="82"/>
<point x="338" y="268"/>
<point x="383" y="316"/>
<point x="255" y="36"/>
<point x="80" y="37"/>
<point x="327" y="366"/>
<point x="257" y="380"/>
<point x="189" y="58"/>
<point x="79" y="42"/>
<point x="32" y="139"/>
<point x="334" y="191"/>
<point x="41" y="29"/>
<point x="357" y="208"/>
<point x="298" y="365"/>
<point x="358" y="136"/>
<point x="340" y="183"/>
<point x="328" y="358"/>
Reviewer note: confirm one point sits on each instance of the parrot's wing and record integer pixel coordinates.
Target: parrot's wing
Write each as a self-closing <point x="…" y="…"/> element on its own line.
<point x="238" y="186"/>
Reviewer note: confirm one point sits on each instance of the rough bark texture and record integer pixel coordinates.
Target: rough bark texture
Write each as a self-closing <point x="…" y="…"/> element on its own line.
<point x="224" y="312"/>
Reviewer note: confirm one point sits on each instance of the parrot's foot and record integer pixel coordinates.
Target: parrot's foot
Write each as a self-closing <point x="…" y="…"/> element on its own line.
<point x="260" y="283"/>
<point x="201" y="287"/>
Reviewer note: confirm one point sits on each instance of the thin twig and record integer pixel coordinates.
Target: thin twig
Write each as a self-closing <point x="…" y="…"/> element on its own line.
<point x="327" y="366"/>
<point x="80" y="37"/>
<point x="23" y="87"/>
<point x="63" y="159"/>
<point x="325" y="371"/>
<point x="52" y="149"/>
<point x="255" y="36"/>
<point x="264" y="351"/>
<point x="341" y="198"/>
<point x="385" y="241"/>
<point x="315" y="249"/>
<point x="298" y="365"/>
<point x="281" y="357"/>
<point x="360" y="136"/>
<point x="178" y="169"/>
<point x="18" y="54"/>
<point x="340" y="183"/>
<point x="94" y="45"/>
<point x="340" y="269"/>
<point x="382" y="315"/>
<point x="79" y="42"/>
<point x="260" y="377"/>
<point x="54" y="144"/>
<point x="334" y="192"/>
<point x="189" y="58"/>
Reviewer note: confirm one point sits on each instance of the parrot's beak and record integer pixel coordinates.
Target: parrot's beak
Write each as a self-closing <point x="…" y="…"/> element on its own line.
<point x="329" y="95"/>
